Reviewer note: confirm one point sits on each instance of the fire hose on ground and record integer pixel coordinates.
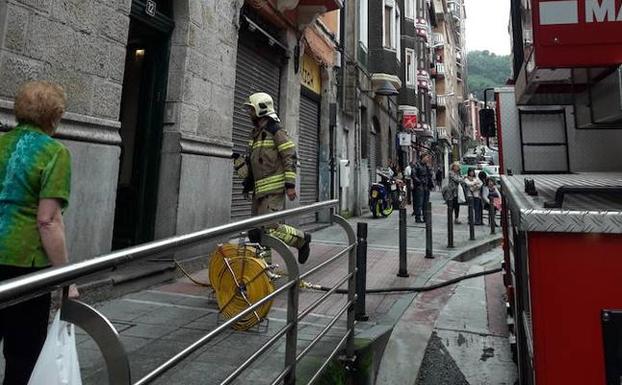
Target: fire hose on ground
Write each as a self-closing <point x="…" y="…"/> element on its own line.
<point x="239" y="277"/>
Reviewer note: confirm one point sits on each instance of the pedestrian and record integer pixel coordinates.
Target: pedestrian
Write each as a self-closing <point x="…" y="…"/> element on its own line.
<point x="454" y="182"/>
<point x="474" y="192"/>
<point x="483" y="177"/>
<point x="35" y="170"/>
<point x="439" y="179"/>
<point x="271" y="164"/>
<point x="423" y="182"/>
<point x="491" y="196"/>
<point x="408" y="180"/>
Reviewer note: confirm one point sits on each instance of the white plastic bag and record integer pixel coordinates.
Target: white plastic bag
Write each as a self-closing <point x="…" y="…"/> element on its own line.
<point x="58" y="361"/>
<point x="461" y="196"/>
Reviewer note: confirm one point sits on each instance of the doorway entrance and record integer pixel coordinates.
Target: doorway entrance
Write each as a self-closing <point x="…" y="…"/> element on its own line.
<point x="142" y="116"/>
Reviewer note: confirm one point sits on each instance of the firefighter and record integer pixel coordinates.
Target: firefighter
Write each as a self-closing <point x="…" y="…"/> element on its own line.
<point x="269" y="171"/>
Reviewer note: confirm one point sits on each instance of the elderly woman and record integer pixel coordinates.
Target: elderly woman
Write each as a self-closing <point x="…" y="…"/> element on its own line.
<point x="454" y="182"/>
<point x="35" y="173"/>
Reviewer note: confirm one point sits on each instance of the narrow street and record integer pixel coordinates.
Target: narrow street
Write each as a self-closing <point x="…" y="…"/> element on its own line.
<point x="192" y="185"/>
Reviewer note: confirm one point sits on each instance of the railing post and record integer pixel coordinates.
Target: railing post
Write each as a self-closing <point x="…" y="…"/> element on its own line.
<point x="491" y="218"/>
<point x="350" y="357"/>
<point x="361" y="271"/>
<point x="428" y="231"/>
<point x="471" y="219"/>
<point x="403" y="270"/>
<point x="291" y="337"/>
<point x="450" y="224"/>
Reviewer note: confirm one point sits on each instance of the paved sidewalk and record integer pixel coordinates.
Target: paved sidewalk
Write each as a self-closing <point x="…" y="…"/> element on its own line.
<point x="156" y="323"/>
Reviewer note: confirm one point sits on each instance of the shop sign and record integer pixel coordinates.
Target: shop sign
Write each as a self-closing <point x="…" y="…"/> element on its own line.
<point x="409" y="120"/>
<point x="311" y="75"/>
<point x="405" y="139"/>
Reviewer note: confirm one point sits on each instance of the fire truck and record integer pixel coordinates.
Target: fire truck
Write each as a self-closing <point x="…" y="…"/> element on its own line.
<point x="559" y="132"/>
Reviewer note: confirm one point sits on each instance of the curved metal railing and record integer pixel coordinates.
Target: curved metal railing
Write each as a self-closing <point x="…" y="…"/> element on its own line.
<point x="106" y="337"/>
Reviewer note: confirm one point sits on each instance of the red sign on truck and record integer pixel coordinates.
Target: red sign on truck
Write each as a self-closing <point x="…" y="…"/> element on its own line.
<point x="577" y="33"/>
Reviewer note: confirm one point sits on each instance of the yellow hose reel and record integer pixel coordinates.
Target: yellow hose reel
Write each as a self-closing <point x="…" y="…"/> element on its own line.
<point x="239" y="279"/>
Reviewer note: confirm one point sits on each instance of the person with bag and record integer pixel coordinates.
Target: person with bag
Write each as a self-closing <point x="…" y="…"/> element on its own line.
<point x="451" y="192"/>
<point x="491" y="195"/>
<point x="35" y="175"/>
<point x="474" y="192"/>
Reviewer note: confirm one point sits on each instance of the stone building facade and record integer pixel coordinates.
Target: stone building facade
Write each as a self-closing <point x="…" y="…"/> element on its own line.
<point x="151" y="112"/>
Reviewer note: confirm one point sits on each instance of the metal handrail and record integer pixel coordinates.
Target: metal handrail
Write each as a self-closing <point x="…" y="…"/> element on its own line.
<point x="23" y="288"/>
<point x="31" y="285"/>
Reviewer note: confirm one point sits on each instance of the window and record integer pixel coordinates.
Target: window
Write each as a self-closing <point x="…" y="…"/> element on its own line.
<point x="391" y="26"/>
<point x="410" y="65"/>
<point x="363" y="22"/>
<point x="388" y="27"/>
<point x="398" y="33"/>
<point x="409" y="9"/>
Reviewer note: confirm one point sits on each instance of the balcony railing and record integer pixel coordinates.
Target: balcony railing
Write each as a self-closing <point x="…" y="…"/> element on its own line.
<point x="443" y="134"/>
<point x="441" y="101"/>
<point x="438" y="39"/>
<point x="440" y="69"/>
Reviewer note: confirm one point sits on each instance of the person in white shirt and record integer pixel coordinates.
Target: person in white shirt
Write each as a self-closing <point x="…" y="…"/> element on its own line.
<point x="408" y="181"/>
<point x="474" y="191"/>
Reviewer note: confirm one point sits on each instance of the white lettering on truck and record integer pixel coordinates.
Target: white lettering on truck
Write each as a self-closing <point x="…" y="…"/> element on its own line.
<point x="604" y="10"/>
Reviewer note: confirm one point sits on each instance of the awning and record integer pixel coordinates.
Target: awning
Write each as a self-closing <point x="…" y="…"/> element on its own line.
<point x="326" y="5"/>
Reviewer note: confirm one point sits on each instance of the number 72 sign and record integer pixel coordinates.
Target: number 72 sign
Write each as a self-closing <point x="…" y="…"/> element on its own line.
<point x="150" y="7"/>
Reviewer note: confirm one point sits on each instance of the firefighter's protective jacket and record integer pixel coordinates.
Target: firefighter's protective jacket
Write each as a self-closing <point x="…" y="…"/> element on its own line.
<point x="272" y="160"/>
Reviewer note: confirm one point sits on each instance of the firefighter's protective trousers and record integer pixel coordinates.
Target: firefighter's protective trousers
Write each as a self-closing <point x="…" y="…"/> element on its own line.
<point x="288" y="234"/>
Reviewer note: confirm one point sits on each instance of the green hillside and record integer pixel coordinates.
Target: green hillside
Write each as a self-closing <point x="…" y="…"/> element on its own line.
<point x="487" y="70"/>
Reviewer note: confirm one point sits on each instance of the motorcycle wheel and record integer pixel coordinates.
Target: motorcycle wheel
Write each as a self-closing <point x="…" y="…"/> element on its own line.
<point x="388" y="211"/>
<point x="373" y="207"/>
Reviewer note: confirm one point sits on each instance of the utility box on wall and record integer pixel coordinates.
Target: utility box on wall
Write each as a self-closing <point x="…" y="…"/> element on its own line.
<point x="344" y="173"/>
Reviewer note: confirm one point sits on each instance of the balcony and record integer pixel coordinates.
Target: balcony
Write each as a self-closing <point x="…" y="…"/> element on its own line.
<point x="423" y="79"/>
<point x="441" y="101"/>
<point x="303" y="12"/>
<point x="424" y="130"/>
<point x="422" y="29"/>
<point x="443" y="135"/>
<point x="438" y="40"/>
<point x="440" y="70"/>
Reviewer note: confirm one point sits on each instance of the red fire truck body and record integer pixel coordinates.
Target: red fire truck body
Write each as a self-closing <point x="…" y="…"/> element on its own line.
<point x="559" y="130"/>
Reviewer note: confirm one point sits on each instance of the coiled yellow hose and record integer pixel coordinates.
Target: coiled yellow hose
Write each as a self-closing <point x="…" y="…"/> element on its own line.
<point x="240" y="280"/>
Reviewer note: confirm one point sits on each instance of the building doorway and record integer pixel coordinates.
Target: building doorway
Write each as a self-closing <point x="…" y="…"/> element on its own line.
<point x="142" y="117"/>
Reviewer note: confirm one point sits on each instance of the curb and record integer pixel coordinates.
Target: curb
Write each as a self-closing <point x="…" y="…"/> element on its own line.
<point x="479" y="248"/>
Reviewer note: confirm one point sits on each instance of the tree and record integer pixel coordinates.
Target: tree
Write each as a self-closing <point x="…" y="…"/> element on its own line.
<point x="487" y="70"/>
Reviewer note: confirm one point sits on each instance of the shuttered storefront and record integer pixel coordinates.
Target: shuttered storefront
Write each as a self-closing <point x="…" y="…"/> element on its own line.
<point x="257" y="70"/>
<point x="308" y="152"/>
<point x="372" y="157"/>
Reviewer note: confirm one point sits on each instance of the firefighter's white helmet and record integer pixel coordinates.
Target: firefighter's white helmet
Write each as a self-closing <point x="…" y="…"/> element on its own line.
<point x="263" y="105"/>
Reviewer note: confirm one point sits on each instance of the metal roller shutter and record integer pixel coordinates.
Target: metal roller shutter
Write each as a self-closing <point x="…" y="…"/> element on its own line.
<point x="372" y="157"/>
<point x="257" y="70"/>
<point x="308" y="153"/>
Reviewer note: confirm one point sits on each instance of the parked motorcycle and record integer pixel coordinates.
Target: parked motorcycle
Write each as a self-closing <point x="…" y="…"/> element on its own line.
<point x="384" y="196"/>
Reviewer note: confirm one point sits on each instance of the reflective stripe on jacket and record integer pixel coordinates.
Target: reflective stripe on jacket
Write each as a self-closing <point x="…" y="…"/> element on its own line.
<point x="272" y="160"/>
